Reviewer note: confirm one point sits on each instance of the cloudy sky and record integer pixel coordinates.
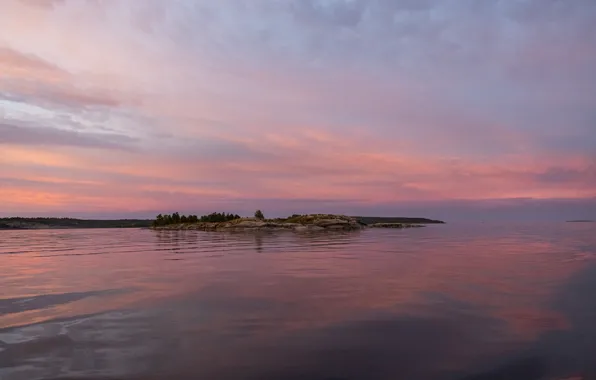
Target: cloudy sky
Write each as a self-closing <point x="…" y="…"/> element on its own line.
<point x="439" y="108"/>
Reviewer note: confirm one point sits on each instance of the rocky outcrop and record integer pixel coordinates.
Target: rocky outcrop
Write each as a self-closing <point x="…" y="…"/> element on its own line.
<point x="302" y="223"/>
<point x="394" y="225"/>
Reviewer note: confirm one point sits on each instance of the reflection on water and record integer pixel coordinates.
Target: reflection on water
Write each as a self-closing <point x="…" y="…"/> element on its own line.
<point x="443" y="302"/>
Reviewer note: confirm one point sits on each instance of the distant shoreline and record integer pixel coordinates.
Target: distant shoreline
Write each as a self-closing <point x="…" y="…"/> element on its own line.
<point x="20" y="223"/>
<point x="581" y="221"/>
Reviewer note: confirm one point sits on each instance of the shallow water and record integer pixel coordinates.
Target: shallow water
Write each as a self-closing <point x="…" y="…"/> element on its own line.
<point x="443" y="302"/>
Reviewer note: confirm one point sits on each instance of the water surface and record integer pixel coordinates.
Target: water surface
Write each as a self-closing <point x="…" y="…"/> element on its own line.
<point x="460" y="302"/>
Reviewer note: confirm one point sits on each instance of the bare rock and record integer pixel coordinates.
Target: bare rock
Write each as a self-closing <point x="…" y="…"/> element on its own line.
<point x="330" y="222"/>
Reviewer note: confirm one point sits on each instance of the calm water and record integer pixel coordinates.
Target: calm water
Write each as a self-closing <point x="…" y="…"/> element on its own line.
<point x="460" y="302"/>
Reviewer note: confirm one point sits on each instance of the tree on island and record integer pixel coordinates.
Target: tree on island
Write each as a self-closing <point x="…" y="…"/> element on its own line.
<point x="259" y="215"/>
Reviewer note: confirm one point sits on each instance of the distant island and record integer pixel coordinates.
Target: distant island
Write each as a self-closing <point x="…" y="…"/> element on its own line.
<point x="296" y="222"/>
<point x="19" y="223"/>
<point x="581" y="221"/>
<point x="403" y="220"/>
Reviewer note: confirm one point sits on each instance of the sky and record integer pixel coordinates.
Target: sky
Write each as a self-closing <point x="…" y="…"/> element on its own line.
<point x="455" y="109"/>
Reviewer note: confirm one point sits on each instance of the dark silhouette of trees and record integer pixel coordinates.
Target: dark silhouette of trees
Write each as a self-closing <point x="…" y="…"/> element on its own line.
<point x="259" y="215"/>
<point x="217" y="217"/>
<point x="176" y="218"/>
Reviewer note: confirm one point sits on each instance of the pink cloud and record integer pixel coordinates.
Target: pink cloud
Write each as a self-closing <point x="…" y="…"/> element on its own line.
<point x="141" y="106"/>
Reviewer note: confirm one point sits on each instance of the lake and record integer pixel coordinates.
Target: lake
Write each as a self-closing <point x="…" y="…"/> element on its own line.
<point x="455" y="301"/>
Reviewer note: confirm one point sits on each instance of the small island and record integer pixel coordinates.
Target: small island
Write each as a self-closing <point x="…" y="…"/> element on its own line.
<point x="296" y="222"/>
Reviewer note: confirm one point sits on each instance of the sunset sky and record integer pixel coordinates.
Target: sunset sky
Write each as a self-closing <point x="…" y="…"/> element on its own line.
<point x="453" y="109"/>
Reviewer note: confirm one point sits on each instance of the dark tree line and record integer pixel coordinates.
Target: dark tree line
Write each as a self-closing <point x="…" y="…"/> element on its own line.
<point x="216" y="217"/>
<point x="176" y="218"/>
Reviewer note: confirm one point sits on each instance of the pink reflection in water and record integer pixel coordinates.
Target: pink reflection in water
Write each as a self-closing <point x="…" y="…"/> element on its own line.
<point x="447" y="296"/>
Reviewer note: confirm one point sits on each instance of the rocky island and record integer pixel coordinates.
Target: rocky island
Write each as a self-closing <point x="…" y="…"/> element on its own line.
<point x="298" y="223"/>
<point x="318" y="222"/>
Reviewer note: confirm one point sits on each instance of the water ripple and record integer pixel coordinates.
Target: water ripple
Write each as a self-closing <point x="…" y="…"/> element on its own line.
<point x="442" y="302"/>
